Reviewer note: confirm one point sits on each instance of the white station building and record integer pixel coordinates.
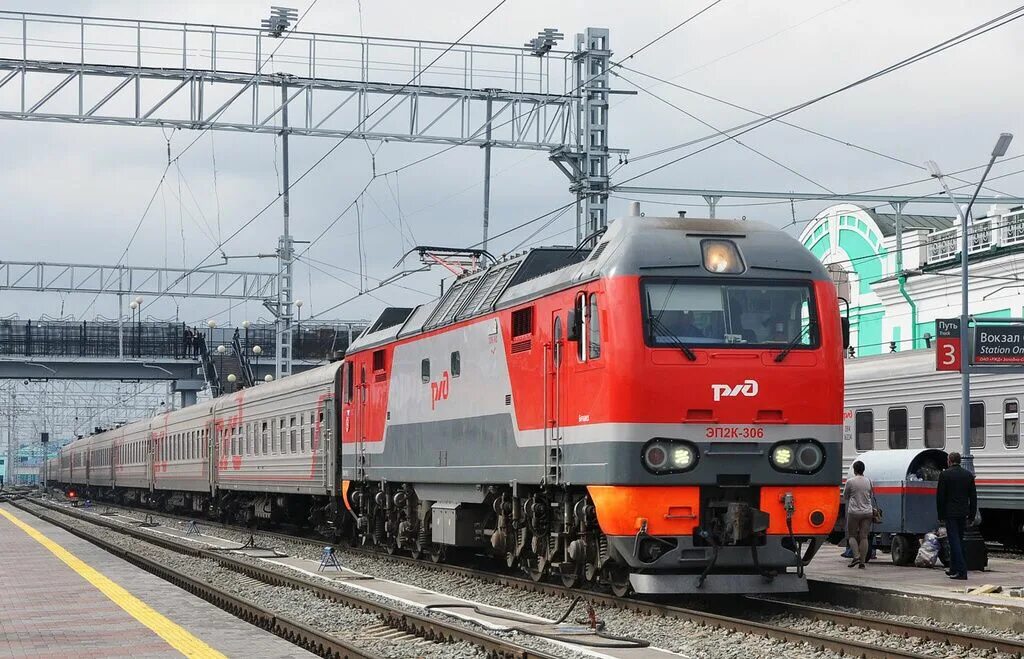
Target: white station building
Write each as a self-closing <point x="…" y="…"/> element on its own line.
<point x="897" y="286"/>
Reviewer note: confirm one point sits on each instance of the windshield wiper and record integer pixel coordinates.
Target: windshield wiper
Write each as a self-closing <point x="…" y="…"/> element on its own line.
<point x="792" y="344"/>
<point x="656" y="322"/>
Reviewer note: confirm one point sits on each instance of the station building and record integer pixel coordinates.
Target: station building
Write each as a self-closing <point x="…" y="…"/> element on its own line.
<point x="897" y="286"/>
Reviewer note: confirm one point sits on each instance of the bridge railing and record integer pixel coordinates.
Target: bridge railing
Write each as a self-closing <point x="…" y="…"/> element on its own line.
<point x="108" y="339"/>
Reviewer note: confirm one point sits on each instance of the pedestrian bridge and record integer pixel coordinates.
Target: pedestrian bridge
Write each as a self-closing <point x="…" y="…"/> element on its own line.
<point x="108" y="350"/>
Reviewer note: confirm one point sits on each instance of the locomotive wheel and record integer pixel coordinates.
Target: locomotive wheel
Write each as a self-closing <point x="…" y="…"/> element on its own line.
<point x="391" y="548"/>
<point x="436" y="553"/>
<point x="417" y="552"/>
<point x="618" y="579"/>
<point x="569" y="573"/>
<point x="537" y="568"/>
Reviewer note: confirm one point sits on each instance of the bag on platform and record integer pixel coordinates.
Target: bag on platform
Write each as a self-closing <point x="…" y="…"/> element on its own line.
<point x="929" y="551"/>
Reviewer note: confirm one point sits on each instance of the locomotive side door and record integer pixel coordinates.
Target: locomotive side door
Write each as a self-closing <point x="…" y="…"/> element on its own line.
<point x="361" y="396"/>
<point x="553" y="362"/>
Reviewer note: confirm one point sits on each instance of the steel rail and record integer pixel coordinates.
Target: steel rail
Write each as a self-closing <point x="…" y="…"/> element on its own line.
<point x="419" y="625"/>
<point x="851" y="648"/>
<point x="292" y="631"/>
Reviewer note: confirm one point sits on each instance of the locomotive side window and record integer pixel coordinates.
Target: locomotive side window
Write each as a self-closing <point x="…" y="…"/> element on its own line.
<point x="935" y="427"/>
<point x="977" y="425"/>
<point x="522" y="322"/>
<point x="594" y="339"/>
<point x="1011" y="424"/>
<point x="898" y="427"/>
<point x="425" y="370"/>
<point x="865" y="430"/>
<point x="583" y="322"/>
<point x="456" y="364"/>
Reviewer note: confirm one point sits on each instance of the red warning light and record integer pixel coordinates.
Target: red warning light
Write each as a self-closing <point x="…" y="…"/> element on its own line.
<point x="71" y="494"/>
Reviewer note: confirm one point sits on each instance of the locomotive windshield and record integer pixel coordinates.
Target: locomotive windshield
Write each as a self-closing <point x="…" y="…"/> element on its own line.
<point x="688" y="312"/>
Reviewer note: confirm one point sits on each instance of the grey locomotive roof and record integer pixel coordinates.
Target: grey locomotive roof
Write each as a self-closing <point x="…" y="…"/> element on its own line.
<point x="665" y="246"/>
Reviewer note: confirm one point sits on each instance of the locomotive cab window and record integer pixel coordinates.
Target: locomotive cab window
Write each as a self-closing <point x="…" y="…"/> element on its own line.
<point x="977" y="425"/>
<point x="1011" y="424"/>
<point x="865" y="430"/>
<point x="934" y="426"/>
<point x="689" y="312"/>
<point x="898" y="427"/>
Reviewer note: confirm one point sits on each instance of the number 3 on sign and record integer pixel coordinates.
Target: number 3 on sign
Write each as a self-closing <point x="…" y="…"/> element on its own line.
<point x="947" y="354"/>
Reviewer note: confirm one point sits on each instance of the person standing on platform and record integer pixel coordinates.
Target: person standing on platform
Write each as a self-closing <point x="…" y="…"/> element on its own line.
<point x="957" y="502"/>
<point x="859" y="513"/>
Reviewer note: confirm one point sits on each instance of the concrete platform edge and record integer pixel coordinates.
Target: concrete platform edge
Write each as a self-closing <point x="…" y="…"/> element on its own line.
<point x="942" y="609"/>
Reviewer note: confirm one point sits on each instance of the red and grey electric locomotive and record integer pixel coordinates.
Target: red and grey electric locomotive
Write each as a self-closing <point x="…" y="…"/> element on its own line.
<point x="661" y="413"/>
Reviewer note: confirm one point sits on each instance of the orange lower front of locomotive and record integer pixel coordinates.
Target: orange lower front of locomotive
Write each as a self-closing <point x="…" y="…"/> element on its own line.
<point x="675" y="540"/>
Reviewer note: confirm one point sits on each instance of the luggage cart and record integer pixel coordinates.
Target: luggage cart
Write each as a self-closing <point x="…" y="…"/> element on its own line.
<point x="904" y="482"/>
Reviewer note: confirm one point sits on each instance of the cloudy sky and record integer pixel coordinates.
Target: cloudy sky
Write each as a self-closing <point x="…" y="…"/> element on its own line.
<point x="76" y="193"/>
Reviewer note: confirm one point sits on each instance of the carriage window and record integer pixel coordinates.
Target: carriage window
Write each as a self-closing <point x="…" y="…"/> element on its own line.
<point x="977" y="425"/>
<point x="264" y="437"/>
<point x="456" y="364"/>
<point x="865" y="430"/>
<point x="934" y="426"/>
<point x="291" y="445"/>
<point x="425" y="370"/>
<point x="898" y="427"/>
<point x="1011" y="424"/>
<point x="594" y="340"/>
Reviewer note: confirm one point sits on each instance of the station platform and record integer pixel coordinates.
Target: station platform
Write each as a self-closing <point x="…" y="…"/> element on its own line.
<point x="921" y="591"/>
<point x="61" y="596"/>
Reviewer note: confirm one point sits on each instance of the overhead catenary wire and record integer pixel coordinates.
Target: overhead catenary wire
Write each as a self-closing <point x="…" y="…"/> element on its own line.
<point x="960" y="38"/>
<point x="804" y="129"/>
<point x="689" y="114"/>
<point x="341" y="141"/>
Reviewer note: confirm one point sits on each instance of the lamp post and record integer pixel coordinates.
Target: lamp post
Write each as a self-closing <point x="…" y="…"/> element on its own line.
<point x="1002" y="144"/>
<point x="133" y="305"/>
<point x="257" y="351"/>
<point x="231" y="379"/>
<point x="138" y="328"/>
<point x="246" y="325"/>
<point x="297" y="337"/>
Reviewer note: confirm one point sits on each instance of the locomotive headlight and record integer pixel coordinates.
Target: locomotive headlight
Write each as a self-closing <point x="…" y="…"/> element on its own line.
<point x="782" y="456"/>
<point x="682" y="457"/>
<point x="803" y="456"/>
<point x="721" y="257"/>
<point x="669" y="456"/>
<point x="655" y="456"/>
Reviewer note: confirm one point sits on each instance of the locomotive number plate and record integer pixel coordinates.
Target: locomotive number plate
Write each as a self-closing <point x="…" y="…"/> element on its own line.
<point x="741" y="432"/>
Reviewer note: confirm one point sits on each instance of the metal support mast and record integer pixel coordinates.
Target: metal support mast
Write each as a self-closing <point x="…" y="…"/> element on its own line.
<point x="285" y="250"/>
<point x="592" y="176"/>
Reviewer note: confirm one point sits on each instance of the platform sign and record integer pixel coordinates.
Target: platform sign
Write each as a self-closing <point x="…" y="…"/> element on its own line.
<point x="998" y="344"/>
<point x="948" y="351"/>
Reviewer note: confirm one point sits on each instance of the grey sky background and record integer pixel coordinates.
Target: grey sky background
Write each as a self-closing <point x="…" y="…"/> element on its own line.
<point x="75" y="193"/>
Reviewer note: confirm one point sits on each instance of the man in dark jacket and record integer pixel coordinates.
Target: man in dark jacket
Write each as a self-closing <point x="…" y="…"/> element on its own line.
<point x="957" y="502"/>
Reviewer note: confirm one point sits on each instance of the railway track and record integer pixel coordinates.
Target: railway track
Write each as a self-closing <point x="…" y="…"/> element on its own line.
<point x="758" y="606"/>
<point x="396" y="619"/>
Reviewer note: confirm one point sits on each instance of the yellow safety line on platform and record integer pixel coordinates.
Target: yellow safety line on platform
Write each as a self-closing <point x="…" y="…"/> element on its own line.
<point x="178" y="638"/>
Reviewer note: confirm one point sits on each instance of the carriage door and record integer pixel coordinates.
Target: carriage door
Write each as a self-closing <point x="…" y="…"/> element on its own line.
<point x="554" y="358"/>
<point x="325" y="446"/>
<point x="360" y="402"/>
